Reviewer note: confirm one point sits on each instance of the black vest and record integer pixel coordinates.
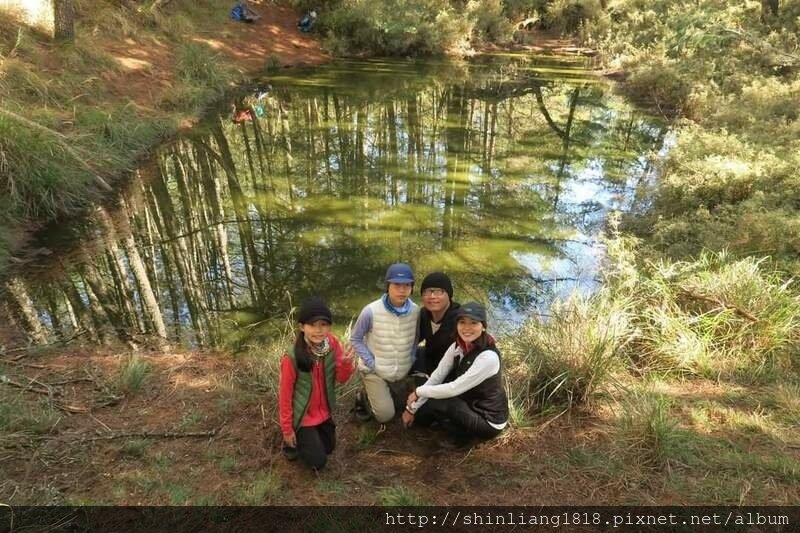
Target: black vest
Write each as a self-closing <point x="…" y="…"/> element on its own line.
<point x="487" y="398"/>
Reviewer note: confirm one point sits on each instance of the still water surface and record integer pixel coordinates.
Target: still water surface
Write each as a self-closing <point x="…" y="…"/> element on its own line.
<point x="500" y="171"/>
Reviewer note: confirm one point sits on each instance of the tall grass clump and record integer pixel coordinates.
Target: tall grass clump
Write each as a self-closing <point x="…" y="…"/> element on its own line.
<point x="262" y="490"/>
<point x="646" y="432"/>
<point x="202" y="74"/>
<point x="41" y="173"/>
<point x="567" y="360"/>
<point x="20" y="417"/>
<point x="787" y="398"/>
<point x="399" y="496"/>
<point x="132" y="375"/>
<point x="717" y="315"/>
<point x="118" y="134"/>
<point x="198" y="64"/>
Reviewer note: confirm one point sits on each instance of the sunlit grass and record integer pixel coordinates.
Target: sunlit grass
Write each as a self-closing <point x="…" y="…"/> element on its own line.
<point x="717" y="316"/>
<point x="132" y="375"/>
<point x="261" y="491"/>
<point x="22" y="416"/>
<point x="399" y="496"/>
<point x="787" y="398"/>
<point x="648" y="433"/>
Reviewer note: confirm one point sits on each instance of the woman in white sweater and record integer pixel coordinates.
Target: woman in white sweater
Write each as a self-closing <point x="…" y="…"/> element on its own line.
<point x="465" y="394"/>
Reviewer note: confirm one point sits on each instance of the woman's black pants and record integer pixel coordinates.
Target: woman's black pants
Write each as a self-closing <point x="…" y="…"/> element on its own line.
<point x="456" y="417"/>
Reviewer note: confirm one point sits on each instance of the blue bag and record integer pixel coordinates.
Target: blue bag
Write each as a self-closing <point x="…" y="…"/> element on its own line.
<point x="237" y="13"/>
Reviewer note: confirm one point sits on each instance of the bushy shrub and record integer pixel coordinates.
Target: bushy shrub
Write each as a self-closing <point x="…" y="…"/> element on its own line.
<point x="719" y="190"/>
<point x="567" y="16"/>
<point x="766" y="110"/>
<point x="491" y="23"/>
<point x="396" y="27"/>
<point x="659" y="84"/>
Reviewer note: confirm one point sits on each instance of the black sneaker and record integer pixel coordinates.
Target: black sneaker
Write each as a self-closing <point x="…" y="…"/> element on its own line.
<point x="455" y="438"/>
<point x="290" y="452"/>
<point x="451" y="442"/>
<point x="361" y="410"/>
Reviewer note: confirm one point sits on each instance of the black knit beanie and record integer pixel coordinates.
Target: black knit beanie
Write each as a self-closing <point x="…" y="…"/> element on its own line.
<point x="314" y="309"/>
<point x="438" y="280"/>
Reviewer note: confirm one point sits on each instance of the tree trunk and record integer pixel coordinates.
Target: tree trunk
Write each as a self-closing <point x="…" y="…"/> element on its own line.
<point x="250" y="254"/>
<point x="769" y="8"/>
<point x="106" y="301"/>
<point x="27" y="311"/>
<point x="119" y="273"/>
<point x="149" y="300"/>
<point x="81" y="315"/>
<point x="63" y="20"/>
<point x="573" y="104"/>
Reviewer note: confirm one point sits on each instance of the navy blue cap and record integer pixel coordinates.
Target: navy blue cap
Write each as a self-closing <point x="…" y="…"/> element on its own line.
<point x="399" y="273"/>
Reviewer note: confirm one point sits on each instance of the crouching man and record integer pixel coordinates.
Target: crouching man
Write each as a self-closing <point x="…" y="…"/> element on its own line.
<point x="385" y="340"/>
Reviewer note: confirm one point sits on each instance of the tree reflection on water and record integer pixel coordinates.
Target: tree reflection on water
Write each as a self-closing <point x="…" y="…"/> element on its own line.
<point x="499" y="171"/>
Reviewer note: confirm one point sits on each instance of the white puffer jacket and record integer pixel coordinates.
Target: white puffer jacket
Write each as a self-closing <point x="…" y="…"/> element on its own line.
<point x="391" y="340"/>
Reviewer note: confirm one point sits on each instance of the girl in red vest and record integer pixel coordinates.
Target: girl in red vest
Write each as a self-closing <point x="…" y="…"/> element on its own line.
<point x="309" y="373"/>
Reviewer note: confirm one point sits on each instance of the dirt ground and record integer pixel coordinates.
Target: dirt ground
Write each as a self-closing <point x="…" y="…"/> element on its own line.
<point x="149" y="68"/>
<point x="200" y="431"/>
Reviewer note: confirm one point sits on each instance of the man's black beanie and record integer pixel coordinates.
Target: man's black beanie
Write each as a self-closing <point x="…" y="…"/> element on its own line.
<point x="437" y="280"/>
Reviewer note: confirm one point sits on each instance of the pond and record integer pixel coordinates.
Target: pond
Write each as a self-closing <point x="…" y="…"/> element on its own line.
<point x="500" y="171"/>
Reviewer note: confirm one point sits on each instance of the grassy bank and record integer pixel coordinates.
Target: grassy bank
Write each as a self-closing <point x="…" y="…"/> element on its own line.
<point x="74" y="117"/>
<point x="729" y="73"/>
<point x="688" y="371"/>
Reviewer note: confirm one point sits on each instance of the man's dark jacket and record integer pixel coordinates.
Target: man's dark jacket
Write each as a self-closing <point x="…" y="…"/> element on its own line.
<point x="435" y="343"/>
